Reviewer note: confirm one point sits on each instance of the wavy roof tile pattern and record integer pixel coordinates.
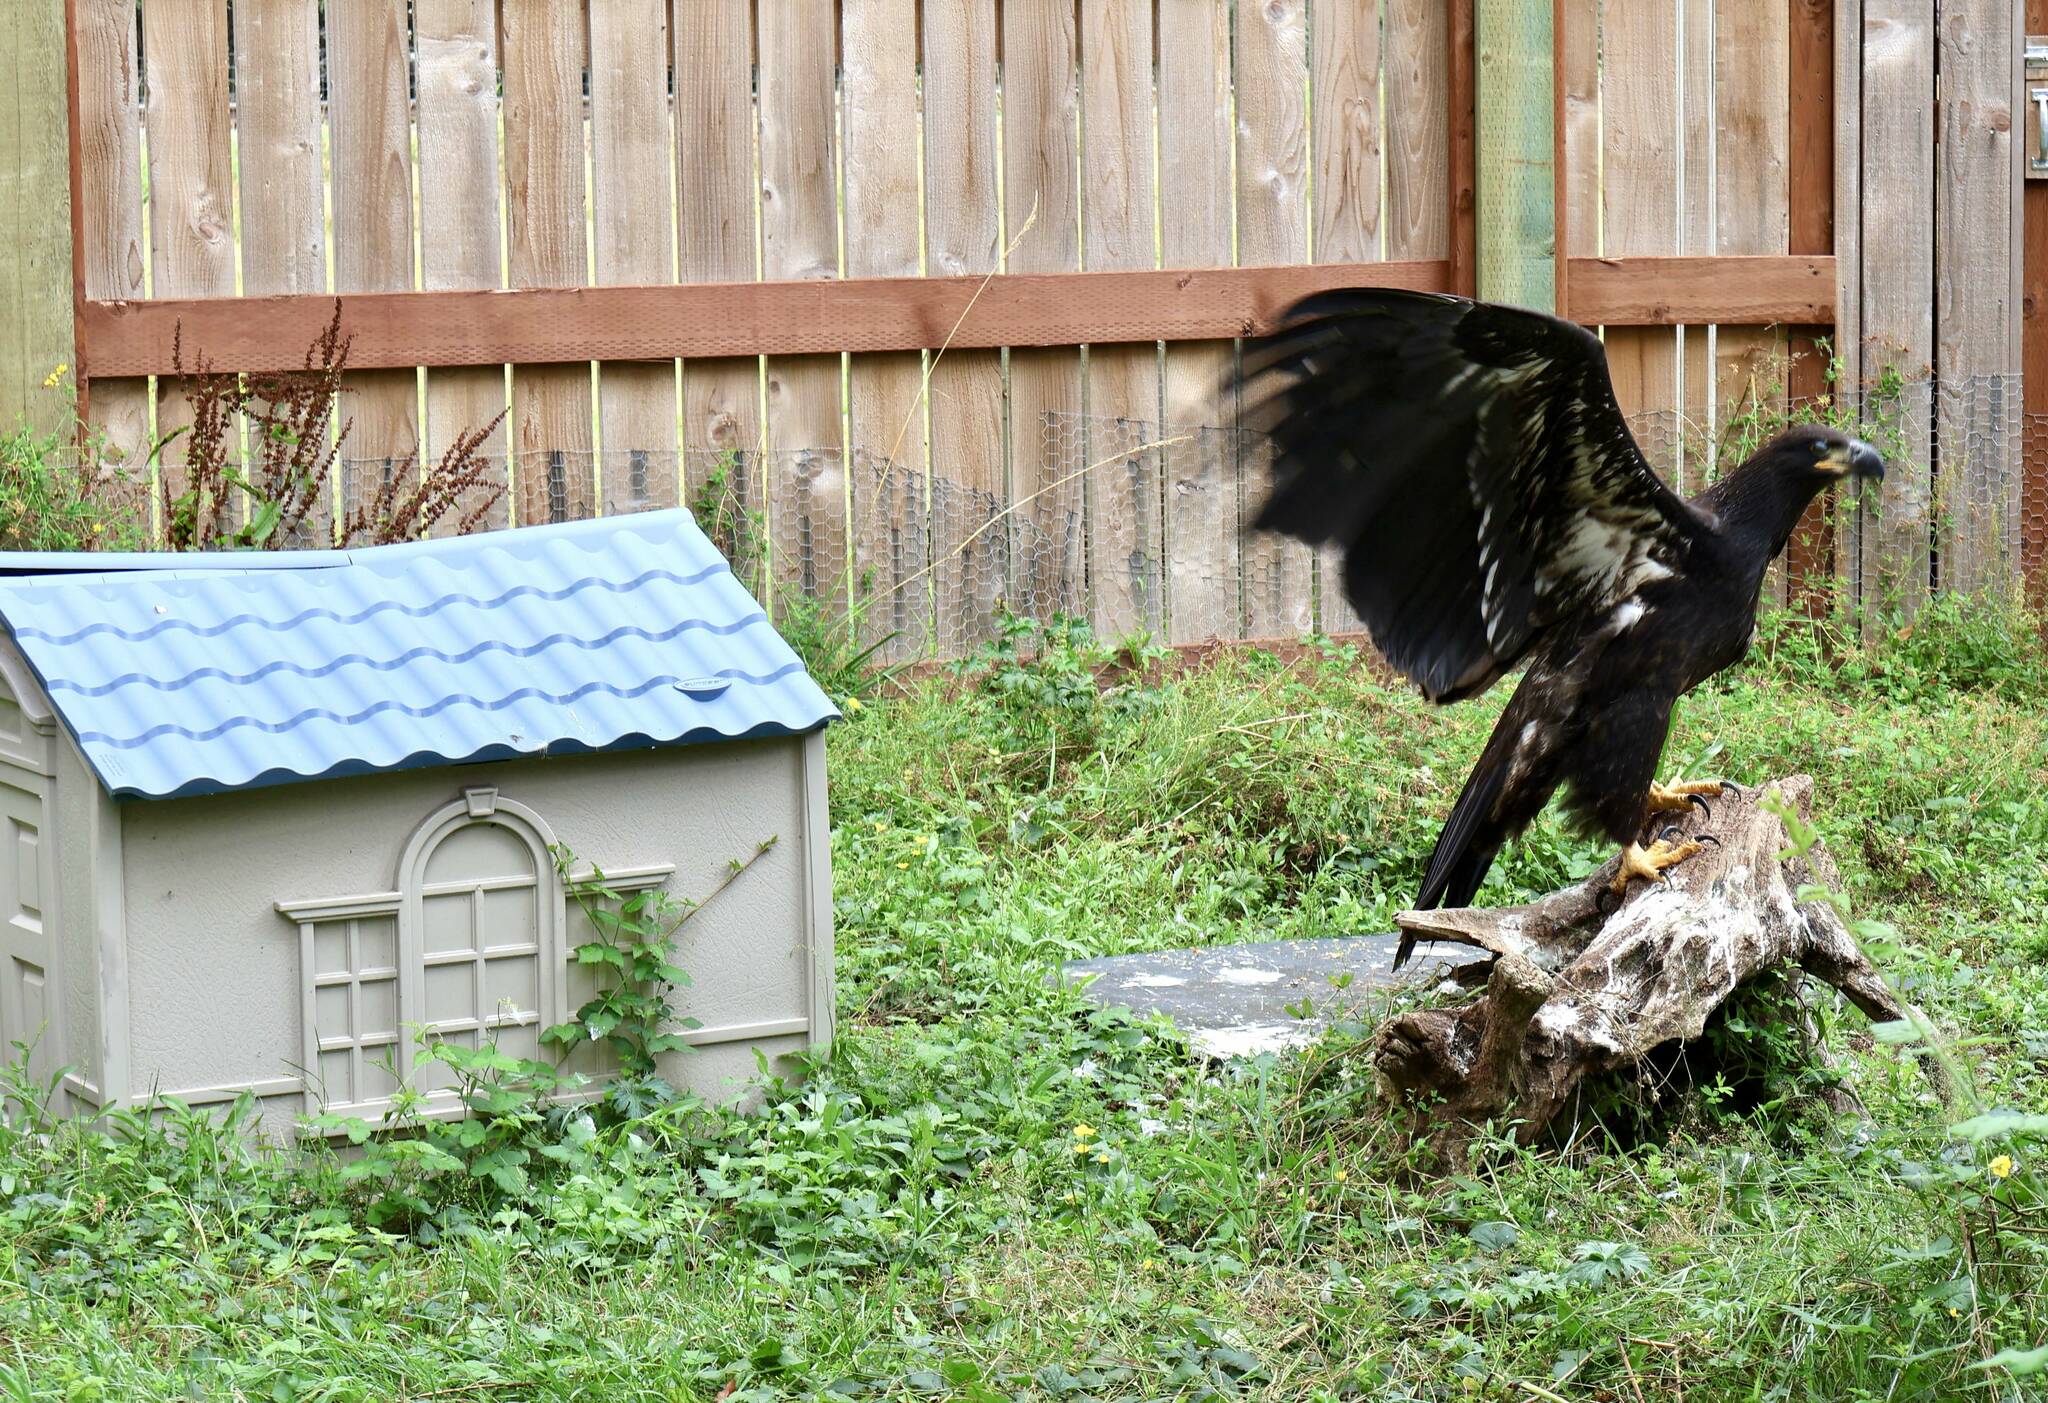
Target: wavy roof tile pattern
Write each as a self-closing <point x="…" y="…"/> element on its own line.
<point x="202" y="674"/>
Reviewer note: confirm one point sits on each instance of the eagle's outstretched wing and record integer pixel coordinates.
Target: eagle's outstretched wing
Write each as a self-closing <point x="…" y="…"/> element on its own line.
<point x="1471" y="462"/>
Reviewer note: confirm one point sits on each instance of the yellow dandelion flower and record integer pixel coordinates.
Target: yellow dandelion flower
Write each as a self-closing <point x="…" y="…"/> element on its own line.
<point x="1082" y="1130"/>
<point x="853" y="704"/>
<point x="902" y="867"/>
<point x="99" y="528"/>
<point x="1149" y="1264"/>
<point x="50" y="380"/>
<point x="1102" y="1157"/>
<point x="2001" y="1168"/>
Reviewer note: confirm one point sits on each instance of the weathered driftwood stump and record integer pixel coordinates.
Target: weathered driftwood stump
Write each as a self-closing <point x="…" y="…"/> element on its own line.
<point x="1583" y="983"/>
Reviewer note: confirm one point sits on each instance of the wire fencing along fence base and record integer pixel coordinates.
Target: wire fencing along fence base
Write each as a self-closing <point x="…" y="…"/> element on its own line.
<point x="1141" y="526"/>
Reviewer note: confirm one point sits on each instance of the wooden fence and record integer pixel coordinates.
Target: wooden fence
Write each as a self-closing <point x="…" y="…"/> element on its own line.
<point x="751" y="244"/>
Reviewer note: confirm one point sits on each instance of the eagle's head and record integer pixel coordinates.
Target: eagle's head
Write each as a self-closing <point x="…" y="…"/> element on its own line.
<point x="1767" y="495"/>
<point x="1813" y="457"/>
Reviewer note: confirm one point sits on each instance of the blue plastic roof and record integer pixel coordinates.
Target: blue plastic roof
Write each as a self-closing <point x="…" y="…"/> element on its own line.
<point x="202" y="674"/>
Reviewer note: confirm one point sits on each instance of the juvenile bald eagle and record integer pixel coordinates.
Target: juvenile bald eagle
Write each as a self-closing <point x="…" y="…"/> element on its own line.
<point x="1493" y="510"/>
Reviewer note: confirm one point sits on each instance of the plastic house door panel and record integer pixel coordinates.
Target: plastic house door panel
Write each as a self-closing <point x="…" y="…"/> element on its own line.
<point x="29" y="1006"/>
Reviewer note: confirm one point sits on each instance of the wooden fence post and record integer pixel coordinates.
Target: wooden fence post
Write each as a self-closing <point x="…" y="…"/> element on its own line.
<point x="35" y="213"/>
<point x="1517" y="197"/>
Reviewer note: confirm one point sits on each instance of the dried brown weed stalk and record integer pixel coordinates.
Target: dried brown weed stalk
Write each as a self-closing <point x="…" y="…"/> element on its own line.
<point x="210" y="502"/>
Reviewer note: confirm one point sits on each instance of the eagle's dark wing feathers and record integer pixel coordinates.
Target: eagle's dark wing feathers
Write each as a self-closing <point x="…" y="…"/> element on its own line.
<point x="1471" y="462"/>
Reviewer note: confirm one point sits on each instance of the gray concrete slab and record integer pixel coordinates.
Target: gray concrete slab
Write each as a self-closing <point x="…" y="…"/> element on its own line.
<point x="1235" y="1000"/>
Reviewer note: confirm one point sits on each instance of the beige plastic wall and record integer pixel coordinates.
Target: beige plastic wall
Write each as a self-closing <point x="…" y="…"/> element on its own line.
<point x="77" y="798"/>
<point x="213" y="969"/>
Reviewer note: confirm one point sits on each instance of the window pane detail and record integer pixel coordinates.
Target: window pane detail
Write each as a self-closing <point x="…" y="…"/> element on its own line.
<point x="354" y="1008"/>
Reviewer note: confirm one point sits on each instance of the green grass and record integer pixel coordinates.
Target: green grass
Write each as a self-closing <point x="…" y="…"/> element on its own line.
<point x="990" y="1192"/>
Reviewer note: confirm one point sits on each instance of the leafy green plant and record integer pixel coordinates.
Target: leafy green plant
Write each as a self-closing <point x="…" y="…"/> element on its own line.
<point x="632" y="955"/>
<point x="1047" y="692"/>
<point x="417" y="1165"/>
<point x="419" y="1162"/>
<point x="59" y="492"/>
<point x="740" y="531"/>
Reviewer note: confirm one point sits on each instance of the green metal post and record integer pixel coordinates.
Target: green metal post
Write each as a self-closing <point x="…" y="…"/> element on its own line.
<point x="1516" y="198"/>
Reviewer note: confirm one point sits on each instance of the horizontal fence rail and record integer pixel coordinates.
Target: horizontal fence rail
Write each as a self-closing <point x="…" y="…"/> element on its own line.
<point x="552" y="325"/>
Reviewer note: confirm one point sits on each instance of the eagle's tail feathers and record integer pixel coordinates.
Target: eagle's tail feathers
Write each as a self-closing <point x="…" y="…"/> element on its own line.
<point x="1465" y="849"/>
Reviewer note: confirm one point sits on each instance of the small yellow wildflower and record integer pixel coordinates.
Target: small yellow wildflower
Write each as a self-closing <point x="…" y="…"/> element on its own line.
<point x="881" y="825"/>
<point x="1341" y="1175"/>
<point x="853" y="704"/>
<point x="1082" y="1130"/>
<point x="902" y="867"/>
<point x="99" y="528"/>
<point x="1149" y="1264"/>
<point x="50" y="380"/>
<point x="1102" y="1157"/>
<point x="2001" y="1168"/>
<point x="1080" y="1149"/>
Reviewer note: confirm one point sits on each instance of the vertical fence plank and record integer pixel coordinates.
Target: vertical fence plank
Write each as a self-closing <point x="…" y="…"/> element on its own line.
<point x="544" y="195"/>
<point x="35" y="215"/>
<point x="1201" y="475"/>
<point x="716" y="196"/>
<point x="278" y="125"/>
<point x="963" y="230"/>
<point x="1122" y="494"/>
<point x="1345" y="169"/>
<point x="2033" y="543"/>
<point x="1898" y="269"/>
<point x="1272" y="227"/>
<point x="369" y="109"/>
<point x="278" y="121"/>
<point x="1579" y="38"/>
<point x="461" y="243"/>
<point x="799" y="239"/>
<point x="1694" y="345"/>
<point x="634" y="236"/>
<point x="1417" y="118"/>
<point x="111" y="217"/>
<point x="1846" y="138"/>
<point x="191" y="191"/>
<point x="1752" y="210"/>
<point x="1976" y="348"/>
<point x="1811" y="173"/>
<point x="1639" y="202"/>
<point x="1039" y="155"/>
<point x="885" y="409"/>
<point x="1417" y="121"/>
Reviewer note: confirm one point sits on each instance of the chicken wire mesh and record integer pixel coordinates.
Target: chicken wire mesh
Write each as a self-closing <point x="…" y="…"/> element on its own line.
<point x="1138" y="525"/>
<point x="1963" y="503"/>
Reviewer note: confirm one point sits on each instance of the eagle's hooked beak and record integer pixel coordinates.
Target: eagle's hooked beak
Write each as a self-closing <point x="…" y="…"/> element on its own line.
<point x="1857" y="458"/>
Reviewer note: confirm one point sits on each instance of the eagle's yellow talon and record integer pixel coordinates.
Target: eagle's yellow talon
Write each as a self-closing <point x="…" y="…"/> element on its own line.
<point x="1676" y="798"/>
<point x="1649" y="863"/>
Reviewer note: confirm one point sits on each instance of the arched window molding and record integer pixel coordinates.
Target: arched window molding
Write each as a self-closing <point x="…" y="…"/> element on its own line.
<point x="480" y="942"/>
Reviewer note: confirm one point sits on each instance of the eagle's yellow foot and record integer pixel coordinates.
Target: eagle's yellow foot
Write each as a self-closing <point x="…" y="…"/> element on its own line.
<point x="1650" y="862"/>
<point x="1677" y="798"/>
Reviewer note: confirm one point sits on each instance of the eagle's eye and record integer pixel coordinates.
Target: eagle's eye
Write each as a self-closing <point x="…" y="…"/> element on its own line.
<point x="1820" y="448"/>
